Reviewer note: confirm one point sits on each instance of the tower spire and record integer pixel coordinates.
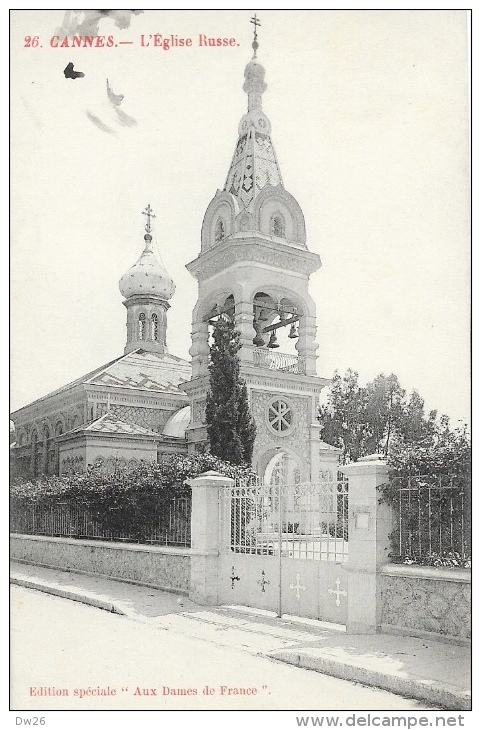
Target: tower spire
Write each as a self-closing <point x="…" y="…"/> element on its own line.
<point x="254" y="164"/>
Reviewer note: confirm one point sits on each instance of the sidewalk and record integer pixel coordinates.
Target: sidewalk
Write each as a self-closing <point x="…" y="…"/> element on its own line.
<point x="436" y="672"/>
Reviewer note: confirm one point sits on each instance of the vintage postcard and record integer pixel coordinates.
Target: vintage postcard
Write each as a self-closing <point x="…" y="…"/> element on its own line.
<point x="302" y="178"/>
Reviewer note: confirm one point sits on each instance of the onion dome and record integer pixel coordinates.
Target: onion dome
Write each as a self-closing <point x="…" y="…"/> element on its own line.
<point x="148" y="276"/>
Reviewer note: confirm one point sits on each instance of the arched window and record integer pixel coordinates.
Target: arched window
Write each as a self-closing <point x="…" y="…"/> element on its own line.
<point x="142" y="326"/>
<point x="155" y="328"/>
<point x="45" y="450"/>
<point x="58" y="432"/>
<point x="35" y="455"/>
<point x="219" y="230"/>
<point x="278" y="225"/>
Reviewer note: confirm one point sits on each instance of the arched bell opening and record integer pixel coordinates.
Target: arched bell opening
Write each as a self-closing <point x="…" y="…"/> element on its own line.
<point x="276" y="323"/>
<point x="223" y="309"/>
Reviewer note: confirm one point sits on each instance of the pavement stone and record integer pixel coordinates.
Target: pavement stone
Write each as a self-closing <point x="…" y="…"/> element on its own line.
<point x="425" y="669"/>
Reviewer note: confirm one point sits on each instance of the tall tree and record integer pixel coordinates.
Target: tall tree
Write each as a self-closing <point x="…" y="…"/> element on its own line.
<point x="414" y="426"/>
<point x="343" y="419"/>
<point x="230" y="426"/>
<point x="384" y="407"/>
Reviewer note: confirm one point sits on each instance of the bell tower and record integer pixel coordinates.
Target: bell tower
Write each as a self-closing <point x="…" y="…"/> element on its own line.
<point x="254" y="265"/>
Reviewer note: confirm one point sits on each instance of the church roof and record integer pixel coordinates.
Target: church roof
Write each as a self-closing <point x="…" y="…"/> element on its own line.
<point x="157" y="372"/>
<point x="110" y="423"/>
<point x="139" y="370"/>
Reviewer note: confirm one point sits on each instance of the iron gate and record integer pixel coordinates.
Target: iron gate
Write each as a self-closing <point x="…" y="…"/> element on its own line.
<point x="283" y="547"/>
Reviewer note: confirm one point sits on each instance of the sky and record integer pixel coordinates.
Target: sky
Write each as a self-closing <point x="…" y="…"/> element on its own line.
<point x="369" y="115"/>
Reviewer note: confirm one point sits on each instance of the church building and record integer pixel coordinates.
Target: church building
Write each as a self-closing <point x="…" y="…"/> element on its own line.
<point x="254" y="266"/>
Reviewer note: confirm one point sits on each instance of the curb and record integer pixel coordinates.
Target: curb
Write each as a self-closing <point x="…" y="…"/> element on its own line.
<point x="427" y="690"/>
<point x="71" y="595"/>
<point x="435" y="693"/>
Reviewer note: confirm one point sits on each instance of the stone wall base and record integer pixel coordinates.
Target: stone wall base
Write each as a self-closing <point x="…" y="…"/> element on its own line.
<point x="162" y="568"/>
<point x="427" y="602"/>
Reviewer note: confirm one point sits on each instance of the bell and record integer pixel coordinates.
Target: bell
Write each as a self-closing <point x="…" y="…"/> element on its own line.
<point x="258" y="341"/>
<point x="293" y="332"/>
<point x="273" y="341"/>
<point x="262" y="316"/>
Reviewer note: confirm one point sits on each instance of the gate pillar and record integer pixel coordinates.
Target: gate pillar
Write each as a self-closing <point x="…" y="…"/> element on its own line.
<point x="206" y="536"/>
<point x="369" y="526"/>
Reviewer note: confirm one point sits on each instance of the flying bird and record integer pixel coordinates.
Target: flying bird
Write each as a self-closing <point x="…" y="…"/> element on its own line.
<point x="107" y="111"/>
<point x="116" y="99"/>
<point x="69" y="73"/>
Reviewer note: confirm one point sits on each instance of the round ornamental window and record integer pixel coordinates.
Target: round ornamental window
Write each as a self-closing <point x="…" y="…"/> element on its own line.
<point x="280" y="416"/>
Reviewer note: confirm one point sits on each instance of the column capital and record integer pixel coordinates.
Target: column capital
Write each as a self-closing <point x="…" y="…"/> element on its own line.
<point x="210" y="479"/>
<point x="367" y="465"/>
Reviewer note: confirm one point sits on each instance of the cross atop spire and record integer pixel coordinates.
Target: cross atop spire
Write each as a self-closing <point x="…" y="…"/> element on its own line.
<point x="149" y="213"/>
<point x="255" y="22"/>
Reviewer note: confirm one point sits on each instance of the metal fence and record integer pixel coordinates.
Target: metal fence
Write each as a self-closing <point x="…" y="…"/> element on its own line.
<point x="307" y="521"/>
<point x="432" y="518"/>
<point x="76" y="520"/>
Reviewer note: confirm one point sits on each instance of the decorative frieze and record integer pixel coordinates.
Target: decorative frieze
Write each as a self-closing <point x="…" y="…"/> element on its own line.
<point x="437" y="606"/>
<point x="300" y="262"/>
<point x="198" y="411"/>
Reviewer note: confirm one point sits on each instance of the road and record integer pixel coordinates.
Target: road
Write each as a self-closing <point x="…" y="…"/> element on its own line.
<point x="68" y="656"/>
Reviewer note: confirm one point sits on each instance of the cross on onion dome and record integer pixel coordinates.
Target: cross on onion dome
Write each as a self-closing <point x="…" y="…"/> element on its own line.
<point x="149" y="213"/>
<point x="255" y="22"/>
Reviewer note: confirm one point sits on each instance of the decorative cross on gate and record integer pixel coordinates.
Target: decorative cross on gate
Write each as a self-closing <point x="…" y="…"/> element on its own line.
<point x="233" y="577"/>
<point x="263" y="582"/>
<point x="297" y="586"/>
<point x="337" y="592"/>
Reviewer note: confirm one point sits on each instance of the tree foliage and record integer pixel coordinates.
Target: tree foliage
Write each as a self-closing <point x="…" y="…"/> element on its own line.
<point x="381" y="418"/>
<point x="429" y="465"/>
<point x="230" y="426"/>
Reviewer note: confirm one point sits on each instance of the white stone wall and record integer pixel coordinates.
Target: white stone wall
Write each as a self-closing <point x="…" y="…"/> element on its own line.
<point x="424" y="601"/>
<point x="160" y="567"/>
